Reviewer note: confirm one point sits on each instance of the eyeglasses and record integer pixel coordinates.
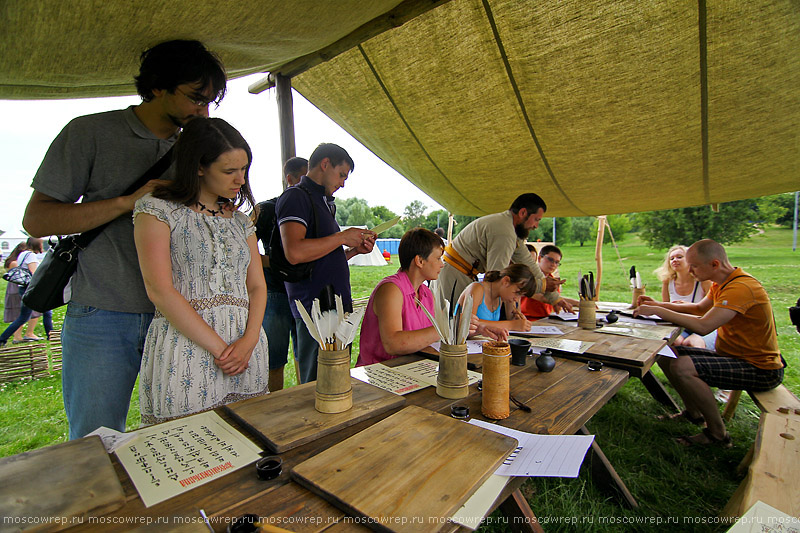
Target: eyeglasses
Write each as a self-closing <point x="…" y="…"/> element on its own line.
<point x="196" y="100"/>
<point x="556" y="263"/>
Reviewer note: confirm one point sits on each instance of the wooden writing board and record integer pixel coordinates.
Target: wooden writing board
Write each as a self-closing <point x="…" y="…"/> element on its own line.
<point x="287" y="419"/>
<point x="409" y="472"/>
<point x="70" y="480"/>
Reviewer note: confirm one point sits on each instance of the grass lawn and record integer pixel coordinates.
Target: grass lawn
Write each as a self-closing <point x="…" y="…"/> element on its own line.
<point x="678" y="489"/>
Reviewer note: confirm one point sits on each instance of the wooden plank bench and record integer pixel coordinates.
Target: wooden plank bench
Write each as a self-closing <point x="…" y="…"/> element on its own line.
<point x="773" y="468"/>
<point x="27" y="361"/>
<point x="779" y="400"/>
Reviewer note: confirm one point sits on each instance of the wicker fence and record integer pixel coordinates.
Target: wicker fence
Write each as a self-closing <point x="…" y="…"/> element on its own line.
<point x="30" y="360"/>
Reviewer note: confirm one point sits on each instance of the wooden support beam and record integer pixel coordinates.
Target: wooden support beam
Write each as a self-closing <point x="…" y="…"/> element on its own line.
<point x="395" y="18"/>
<point x="286" y="121"/>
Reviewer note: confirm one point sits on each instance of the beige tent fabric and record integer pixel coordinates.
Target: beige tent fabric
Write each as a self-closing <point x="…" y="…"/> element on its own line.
<point x="612" y="92"/>
<point x="80" y="48"/>
<point x="596" y="105"/>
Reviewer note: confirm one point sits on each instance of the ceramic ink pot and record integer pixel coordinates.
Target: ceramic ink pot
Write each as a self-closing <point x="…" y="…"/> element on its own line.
<point x="545" y="361"/>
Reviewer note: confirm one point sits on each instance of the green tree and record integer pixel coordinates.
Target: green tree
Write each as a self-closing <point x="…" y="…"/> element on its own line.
<point x="620" y="226"/>
<point x="436" y="219"/>
<point x="414" y="214"/>
<point x="733" y="223"/>
<point x="778" y="208"/>
<point x="382" y="214"/>
<point x="582" y="229"/>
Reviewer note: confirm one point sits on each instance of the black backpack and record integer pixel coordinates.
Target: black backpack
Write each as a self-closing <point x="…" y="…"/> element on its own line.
<point x="281" y="268"/>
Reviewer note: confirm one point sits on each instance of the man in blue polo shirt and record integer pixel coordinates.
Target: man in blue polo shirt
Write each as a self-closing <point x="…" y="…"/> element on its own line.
<point x="320" y="242"/>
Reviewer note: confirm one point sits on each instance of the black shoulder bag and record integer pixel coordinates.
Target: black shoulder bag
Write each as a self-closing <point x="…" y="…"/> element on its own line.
<point x="281" y="268"/>
<point x="46" y="288"/>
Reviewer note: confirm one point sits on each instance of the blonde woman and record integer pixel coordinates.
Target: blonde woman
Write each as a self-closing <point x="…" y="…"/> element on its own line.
<point x="678" y="285"/>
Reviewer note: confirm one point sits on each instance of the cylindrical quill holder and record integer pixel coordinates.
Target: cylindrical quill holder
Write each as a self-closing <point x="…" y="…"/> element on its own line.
<point x="636" y="294"/>
<point x="334" y="393"/>
<point x="496" y="388"/>
<point x="451" y="382"/>
<point x="587" y="314"/>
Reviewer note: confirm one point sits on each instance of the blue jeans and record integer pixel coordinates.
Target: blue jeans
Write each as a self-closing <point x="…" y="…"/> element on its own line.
<point x="24" y="316"/>
<point x="102" y="352"/>
<point x="306" y="354"/>
<point x="279" y="326"/>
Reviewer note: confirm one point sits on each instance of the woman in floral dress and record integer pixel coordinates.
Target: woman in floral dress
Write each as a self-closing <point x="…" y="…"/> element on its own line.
<point x="201" y="268"/>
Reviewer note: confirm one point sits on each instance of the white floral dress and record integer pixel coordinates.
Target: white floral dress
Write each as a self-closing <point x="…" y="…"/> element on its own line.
<point x="209" y="268"/>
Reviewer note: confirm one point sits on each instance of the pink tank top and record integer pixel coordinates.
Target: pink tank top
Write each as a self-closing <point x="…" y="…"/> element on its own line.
<point x="370" y="344"/>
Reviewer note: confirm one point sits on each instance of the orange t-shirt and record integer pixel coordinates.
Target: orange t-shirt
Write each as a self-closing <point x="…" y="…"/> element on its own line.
<point x="534" y="308"/>
<point x="751" y="334"/>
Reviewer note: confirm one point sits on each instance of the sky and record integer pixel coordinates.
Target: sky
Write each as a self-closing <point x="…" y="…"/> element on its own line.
<point x="29" y="126"/>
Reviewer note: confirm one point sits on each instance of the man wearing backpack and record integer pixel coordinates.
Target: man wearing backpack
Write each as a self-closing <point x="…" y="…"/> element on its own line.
<point x="278" y="324"/>
<point x="310" y="234"/>
<point x="95" y="159"/>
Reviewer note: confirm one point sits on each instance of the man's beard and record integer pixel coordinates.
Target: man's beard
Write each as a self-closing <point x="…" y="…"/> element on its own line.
<point x="521" y="232"/>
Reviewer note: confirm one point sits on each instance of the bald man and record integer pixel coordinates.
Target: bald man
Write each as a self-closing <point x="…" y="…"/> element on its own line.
<point x="746" y="354"/>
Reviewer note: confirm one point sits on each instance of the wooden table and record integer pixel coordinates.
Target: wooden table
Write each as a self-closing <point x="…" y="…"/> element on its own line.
<point x="562" y="401"/>
<point x="632" y="354"/>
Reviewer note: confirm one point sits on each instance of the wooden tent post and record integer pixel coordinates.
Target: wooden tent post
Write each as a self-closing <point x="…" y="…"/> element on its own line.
<point x="450" y="221"/>
<point x="598" y="253"/>
<point x="283" y="86"/>
<point x="283" y="90"/>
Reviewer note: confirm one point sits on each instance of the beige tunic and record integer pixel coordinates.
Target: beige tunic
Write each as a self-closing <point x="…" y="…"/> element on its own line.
<point x="493" y="243"/>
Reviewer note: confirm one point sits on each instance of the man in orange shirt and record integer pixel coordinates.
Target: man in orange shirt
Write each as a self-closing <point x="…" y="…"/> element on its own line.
<point x="746" y="355"/>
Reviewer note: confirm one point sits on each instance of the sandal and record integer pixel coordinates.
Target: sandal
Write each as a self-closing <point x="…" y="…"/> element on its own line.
<point x="705" y="439"/>
<point x="697" y="421"/>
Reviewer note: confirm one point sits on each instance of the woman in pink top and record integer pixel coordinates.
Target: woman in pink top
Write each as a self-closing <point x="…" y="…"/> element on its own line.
<point x="394" y="324"/>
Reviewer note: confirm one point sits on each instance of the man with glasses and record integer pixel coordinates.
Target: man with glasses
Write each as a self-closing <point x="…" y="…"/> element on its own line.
<point x="536" y="306"/>
<point x="96" y="158"/>
<point x="493" y="242"/>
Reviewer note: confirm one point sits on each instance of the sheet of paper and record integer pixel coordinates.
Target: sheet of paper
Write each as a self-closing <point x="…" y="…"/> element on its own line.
<point x="643" y="321"/>
<point x="427" y="370"/>
<point x="666" y="352"/>
<point x="541" y="455"/>
<point x="763" y="518"/>
<point x="541" y="330"/>
<point x="380" y="228"/>
<point x="565" y="345"/>
<point x="472" y="513"/>
<point x="631" y="330"/>
<point x="473" y="346"/>
<point x="563" y="315"/>
<point x="387" y="378"/>
<point x="112" y="439"/>
<point x="171" y="458"/>
<point x="613" y="306"/>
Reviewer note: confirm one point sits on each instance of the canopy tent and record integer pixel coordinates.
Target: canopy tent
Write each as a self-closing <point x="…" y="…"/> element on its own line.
<point x="601" y="107"/>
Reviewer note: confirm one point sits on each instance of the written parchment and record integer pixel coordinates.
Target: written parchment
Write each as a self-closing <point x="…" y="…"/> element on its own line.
<point x="168" y="459"/>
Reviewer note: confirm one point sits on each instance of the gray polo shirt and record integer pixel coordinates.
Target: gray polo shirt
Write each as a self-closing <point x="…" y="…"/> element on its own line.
<point x="96" y="157"/>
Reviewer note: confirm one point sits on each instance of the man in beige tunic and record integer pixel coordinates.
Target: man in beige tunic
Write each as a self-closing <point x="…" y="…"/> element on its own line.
<point x="493" y="242"/>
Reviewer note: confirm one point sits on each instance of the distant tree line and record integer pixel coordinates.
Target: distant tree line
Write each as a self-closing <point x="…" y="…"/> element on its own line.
<point x="734" y="222"/>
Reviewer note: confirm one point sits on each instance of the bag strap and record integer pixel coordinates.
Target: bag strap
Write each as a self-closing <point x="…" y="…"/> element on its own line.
<point x="155" y="171"/>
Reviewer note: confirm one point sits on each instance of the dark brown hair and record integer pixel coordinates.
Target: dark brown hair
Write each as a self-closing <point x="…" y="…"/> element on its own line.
<point x="201" y="143"/>
<point x="417" y="242"/>
<point x="518" y="274"/>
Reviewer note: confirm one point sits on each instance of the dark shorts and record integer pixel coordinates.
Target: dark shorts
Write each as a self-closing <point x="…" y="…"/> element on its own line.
<point x="729" y="372"/>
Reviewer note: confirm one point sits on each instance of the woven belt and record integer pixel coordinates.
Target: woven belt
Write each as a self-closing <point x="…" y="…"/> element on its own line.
<point x="200" y="304"/>
<point x="452" y="258"/>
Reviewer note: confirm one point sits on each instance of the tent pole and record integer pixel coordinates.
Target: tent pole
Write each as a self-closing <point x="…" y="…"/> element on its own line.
<point x="283" y="87"/>
<point x="449" y="227"/>
<point x="598" y="252"/>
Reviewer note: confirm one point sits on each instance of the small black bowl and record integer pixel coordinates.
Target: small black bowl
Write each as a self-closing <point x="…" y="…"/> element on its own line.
<point x="269" y="467"/>
<point x="594" y="365"/>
